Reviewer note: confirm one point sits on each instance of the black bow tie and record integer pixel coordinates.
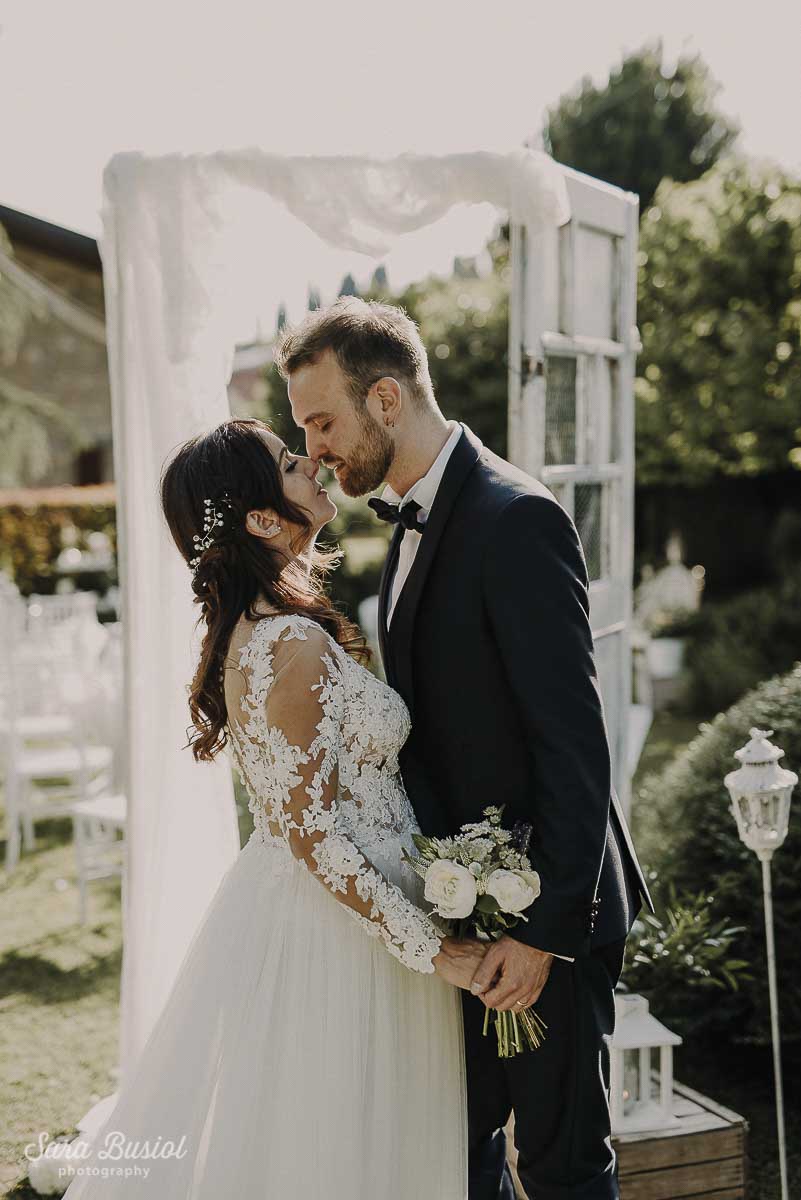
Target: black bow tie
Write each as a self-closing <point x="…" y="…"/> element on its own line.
<point x="404" y="514"/>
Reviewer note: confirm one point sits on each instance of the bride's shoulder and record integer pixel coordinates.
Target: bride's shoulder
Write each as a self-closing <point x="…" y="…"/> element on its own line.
<point x="284" y="633"/>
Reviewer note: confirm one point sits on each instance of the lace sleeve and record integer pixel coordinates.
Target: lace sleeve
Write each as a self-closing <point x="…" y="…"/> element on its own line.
<point x="293" y="716"/>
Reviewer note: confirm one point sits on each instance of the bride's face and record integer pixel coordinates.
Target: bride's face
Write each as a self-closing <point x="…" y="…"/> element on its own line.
<point x="301" y="487"/>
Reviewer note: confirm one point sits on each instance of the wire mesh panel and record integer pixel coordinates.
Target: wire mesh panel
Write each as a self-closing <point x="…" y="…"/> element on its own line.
<point x="571" y="355"/>
<point x="589" y="509"/>
<point x="560" y="410"/>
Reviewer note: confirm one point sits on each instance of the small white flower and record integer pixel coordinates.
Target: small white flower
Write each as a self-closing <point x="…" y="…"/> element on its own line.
<point x="475" y="829"/>
<point x="514" y="890"/>
<point x="477" y="848"/>
<point x="450" y="888"/>
<point x="475" y="869"/>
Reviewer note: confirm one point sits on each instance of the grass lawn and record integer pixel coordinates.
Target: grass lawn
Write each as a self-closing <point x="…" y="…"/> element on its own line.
<point x="741" y="1078"/>
<point x="669" y="733"/>
<point x="59" y="995"/>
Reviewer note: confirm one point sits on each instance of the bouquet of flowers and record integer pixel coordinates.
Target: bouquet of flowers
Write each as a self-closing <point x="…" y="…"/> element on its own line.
<point x="480" y="882"/>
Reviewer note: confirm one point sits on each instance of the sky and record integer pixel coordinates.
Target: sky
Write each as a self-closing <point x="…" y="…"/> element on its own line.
<point x="81" y="81"/>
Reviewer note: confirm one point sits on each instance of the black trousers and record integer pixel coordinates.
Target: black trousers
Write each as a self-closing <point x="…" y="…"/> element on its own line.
<point x="559" y="1092"/>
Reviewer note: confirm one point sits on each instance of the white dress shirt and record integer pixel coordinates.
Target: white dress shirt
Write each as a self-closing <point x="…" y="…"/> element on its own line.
<point x="423" y="493"/>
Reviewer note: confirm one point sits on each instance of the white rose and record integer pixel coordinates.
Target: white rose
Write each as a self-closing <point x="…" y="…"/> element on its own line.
<point x="514" y="890"/>
<point x="450" y="888"/>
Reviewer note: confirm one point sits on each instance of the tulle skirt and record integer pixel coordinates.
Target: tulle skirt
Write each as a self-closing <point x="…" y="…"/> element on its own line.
<point x="295" y="1059"/>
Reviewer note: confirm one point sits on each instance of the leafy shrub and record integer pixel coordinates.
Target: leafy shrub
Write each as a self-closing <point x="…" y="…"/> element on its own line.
<point x="686" y="833"/>
<point x="680" y="957"/>
<point x="733" y="644"/>
<point x="30" y="539"/>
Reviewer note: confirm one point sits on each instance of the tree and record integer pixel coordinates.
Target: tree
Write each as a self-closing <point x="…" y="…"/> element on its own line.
<point x="719" y="387"/>
<point x="348" y="286"/>
<point x="647" y="123"/>
<point x="464" y="324"/>
<point x="28" y="420"/>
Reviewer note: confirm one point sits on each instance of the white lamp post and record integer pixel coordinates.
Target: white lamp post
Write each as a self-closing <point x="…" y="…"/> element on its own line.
<point x="637" y="1100"/>
<point x="760" y="793"/>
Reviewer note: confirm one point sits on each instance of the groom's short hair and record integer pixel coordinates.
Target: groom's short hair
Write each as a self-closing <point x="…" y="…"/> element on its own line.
<point x="368" y="338"/>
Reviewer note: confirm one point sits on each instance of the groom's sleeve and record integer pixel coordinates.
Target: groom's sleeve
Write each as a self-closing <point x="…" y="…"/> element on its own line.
<point x="536" y="597"/>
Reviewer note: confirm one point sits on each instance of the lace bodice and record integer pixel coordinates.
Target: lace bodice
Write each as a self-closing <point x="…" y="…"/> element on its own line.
<point x="316" y="738"/>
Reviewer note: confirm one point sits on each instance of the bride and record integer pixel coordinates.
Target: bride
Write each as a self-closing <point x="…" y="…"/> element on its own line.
<point x="312" y="1042"/>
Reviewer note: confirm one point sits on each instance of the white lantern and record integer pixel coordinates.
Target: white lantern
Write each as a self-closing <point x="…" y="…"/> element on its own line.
<point x="641" y="1068"/>
<point x="761" y="792"/>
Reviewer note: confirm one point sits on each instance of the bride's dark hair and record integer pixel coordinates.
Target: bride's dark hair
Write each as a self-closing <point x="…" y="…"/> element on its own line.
<point x="239" y="568"/>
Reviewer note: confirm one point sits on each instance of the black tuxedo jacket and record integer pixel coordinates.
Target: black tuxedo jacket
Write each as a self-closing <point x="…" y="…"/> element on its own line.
<point x="491" y="648"/>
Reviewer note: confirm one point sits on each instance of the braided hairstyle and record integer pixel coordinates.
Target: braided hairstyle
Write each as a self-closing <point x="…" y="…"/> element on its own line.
<point x="237" y="568"/>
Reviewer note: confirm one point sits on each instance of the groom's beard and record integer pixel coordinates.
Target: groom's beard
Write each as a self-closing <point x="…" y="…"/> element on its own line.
<point x="368" y="463"/>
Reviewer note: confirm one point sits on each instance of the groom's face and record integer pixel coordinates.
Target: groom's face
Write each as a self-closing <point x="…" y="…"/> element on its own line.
<point x="341" y="434"/>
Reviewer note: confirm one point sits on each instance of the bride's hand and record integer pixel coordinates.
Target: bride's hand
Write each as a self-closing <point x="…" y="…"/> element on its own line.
<point x="459" y="959"/>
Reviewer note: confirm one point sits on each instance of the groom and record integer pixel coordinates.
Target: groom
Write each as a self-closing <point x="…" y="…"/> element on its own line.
<point x="484" y="629"/>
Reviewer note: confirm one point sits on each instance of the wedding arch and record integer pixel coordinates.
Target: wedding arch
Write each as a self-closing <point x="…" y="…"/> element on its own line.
<point x="194" y="251"/>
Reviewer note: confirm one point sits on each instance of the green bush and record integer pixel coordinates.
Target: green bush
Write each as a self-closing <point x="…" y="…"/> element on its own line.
<point x="733" y="644"/>
<point x="30" y="539"/>
<point x="687" y="835"/>
<point x="681" y="957"/>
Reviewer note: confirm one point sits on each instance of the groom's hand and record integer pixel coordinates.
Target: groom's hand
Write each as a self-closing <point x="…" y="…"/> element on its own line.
<point x="459" y="959"/>
<point x="512" y="975"/>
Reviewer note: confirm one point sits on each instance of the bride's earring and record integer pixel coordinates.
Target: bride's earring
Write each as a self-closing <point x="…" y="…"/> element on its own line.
<point x="272" y="530"/>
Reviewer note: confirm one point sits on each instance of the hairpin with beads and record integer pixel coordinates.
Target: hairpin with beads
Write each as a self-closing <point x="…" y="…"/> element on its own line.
<point x="213" y="522"/>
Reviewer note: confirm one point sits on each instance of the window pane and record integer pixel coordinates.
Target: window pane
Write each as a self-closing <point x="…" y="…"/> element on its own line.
<point x="596" y="283"/>
<point x="589" y="522"/>
<point x="560" y="410"/>
<point x="631" y="1080"/>
<point x="562" y="491"/>
<point x="615" y="430"/>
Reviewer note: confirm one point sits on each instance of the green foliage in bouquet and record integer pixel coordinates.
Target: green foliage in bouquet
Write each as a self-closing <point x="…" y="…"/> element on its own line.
<point x="685" y="832"/>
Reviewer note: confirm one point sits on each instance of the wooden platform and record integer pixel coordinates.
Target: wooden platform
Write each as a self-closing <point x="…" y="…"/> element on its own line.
<point x="704" y="1156"/>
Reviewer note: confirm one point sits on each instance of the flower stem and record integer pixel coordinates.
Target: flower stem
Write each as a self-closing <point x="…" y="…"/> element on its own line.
<point x="516" y="1031"/>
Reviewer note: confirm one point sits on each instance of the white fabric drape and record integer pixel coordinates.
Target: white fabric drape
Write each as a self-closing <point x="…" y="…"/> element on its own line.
<point x="198" y="251"/>
<point x="182" y="830"/>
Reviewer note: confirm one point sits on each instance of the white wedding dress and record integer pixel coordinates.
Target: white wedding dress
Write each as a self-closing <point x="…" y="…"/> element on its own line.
<point x="307" y="1051"/>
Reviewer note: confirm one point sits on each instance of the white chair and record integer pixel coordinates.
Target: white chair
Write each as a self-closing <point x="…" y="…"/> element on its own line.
<point x="36" y="725"/>
<point x="51" y="761"/>
<point x="47" y="612"/>
<point x="13" y="615"/>
<point x="99" y="851"/>
<point x="20" y="716"/>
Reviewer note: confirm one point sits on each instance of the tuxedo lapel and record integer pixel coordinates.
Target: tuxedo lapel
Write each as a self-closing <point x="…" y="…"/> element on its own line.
<point x="399" y="637"/>
<point x="615" y="805"/>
